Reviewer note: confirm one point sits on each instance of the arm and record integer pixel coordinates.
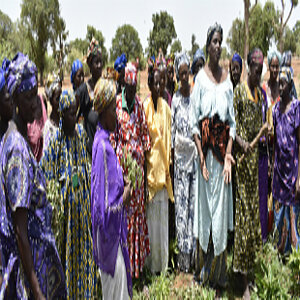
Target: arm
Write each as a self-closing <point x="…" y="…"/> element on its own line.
<point x="201" y="157"/>
<point x="20" y="221"/>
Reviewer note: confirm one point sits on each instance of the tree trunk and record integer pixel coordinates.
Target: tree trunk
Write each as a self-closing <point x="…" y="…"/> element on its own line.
<point x="246" y="37"/>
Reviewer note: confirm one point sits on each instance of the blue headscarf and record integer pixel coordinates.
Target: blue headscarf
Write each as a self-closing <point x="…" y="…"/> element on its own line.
<point x="21" y="74"/>
<point x="77" y="64"/>
<point x="2" y="79"/>
<point x="236" y="57"/>
<point x="5" y="64"/>
<point x="198" y="55"/>
<point x="120" y="63"/>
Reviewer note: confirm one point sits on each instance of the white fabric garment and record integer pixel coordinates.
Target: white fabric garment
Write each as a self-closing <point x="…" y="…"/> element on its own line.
<point x="157" y="213"/>
<point x="115" y="288"/>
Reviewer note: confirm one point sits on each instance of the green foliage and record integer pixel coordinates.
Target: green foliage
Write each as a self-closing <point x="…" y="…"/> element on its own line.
<point x="176" y="47"/>
<point x="162" y="33"/>
<point x="235" y="39"/>
<point x="6" y="26"/>
<point x="271" y="275"/>
<point x="74" y="54"/>
<point x="80" y="45"/>
<point x="294" y="266"/>
<point x="126" y="41"/>
<point x="289" y="41"/>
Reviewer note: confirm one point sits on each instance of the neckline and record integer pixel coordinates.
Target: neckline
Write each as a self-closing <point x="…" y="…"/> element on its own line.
<point x="214" y="83"/>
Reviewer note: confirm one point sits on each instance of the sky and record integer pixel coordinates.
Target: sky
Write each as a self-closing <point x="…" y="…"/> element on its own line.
<point x="190" y="16"/>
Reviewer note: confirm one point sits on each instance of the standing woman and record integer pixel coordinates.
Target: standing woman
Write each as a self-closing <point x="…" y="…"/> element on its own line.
<point x="171" y="84"/>
<point x="132" y="135"/>
<point x="198" y="63"/>
<point x="77" y="74"/>
<point x="65" y="161"/>
<point x="249" y="114"/>
<point x="158" y="161"/>
<point x="286" y="177"/>
<point x="183" y="156"/>
<point x="213" y="129"/>
<point x="30" y="262"/>
<point x="108" y="200"/>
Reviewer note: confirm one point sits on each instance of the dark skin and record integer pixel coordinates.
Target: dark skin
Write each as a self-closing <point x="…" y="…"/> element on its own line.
<point x="130" y="91"/>
<point x="69" y="120"/>
<point x="121" y="79"/>
<point x="95" y="66"/>
<point x="199" y="65"/>
<point x="273" y="84"/>
<point x="155" y="88"/>
<point x="27" y="105"/>
<point x="170" y="78"/>
<point x="6" y="111"/>
<point x="108" y="121"/>
<point x="78" y="78"/>
<point x="235" y="73"/>
<point x="54" y="101"/>
<point x="217" y="75"/>
<point x="163" y="79"/>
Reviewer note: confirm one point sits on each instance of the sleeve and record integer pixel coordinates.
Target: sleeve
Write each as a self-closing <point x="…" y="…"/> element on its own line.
<point x="195" y="108"/>
<point x="237" y="109"/>
<point x="173" y="124"/>
<point x="230" y="114"/>
<point x="297" y="115"/>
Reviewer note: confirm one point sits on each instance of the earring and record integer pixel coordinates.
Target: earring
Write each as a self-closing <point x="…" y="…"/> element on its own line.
<point x="17" y="110"/>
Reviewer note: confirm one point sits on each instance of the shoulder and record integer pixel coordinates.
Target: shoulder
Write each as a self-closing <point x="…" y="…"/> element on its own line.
<point x="165" y="107"/>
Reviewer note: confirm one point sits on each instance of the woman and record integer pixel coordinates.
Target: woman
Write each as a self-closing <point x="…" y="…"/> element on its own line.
<point x="85" y="93"/>
<point x="213" y="129"/>
<point x="171" y="84"/>
<point x="183" y="155"/>
<point x="31" y="265"/>
<point x="287" y="62"/>
<point x="108" y="201"/>
<point x="198" y="63"/>
<point x="119" y="66"/>
<point x="77" y="74"/>
<point x="235" y="69"/>
<point x="132" y="135"/>
<point x="65" y="161"/>
<point x="249" y="105"/>
<point x="6" y="105"/>
<point x="286" y="188"/>
<point x="53" y="92"/>
<point x="158" y="160"/>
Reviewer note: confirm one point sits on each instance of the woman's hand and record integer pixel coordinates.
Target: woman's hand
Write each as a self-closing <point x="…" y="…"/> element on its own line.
<point x="204" y="170"/>
<point x="246" y="147"/>
<point x="228" y="161"/>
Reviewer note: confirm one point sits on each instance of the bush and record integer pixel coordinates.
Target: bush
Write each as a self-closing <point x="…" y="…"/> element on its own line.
<point x="294" y="266"/>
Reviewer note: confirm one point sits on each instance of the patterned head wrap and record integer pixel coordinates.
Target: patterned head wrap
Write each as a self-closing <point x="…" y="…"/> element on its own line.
<point x="286" y="74"/>
<point x="170" y="60"/>
<point x="286" y="58"/>
<point x="211" y="30"/>
<point x="181" y="59"/>
<point x="130" y="74"/>
<point x="53" y="81"/>
<point x="67" y="98"/>
<point x="255" y="56"/>
<point x="2" y="79"/>
<point x="104" y="94"/>
<point x="273" y="52"/>
<point x="92" y="50"/>
<point x="198" y="54"/>
<point x="21" y="75"/>
<point x="77" y="64"/>
<point x="120" y="63"/>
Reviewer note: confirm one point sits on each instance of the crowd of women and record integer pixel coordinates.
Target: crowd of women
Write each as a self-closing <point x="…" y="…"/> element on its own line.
<point x="213" y="155"/>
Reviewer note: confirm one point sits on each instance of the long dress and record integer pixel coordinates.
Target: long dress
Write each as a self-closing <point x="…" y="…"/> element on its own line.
<point x="65" y="161"/>
<point x="132" y="134"/>
<point x="184" y="177"/>
<point x="23" y="185"/>
<point x="109" y="224"/>
<point x="286" y="209"/>
<point x="247" y="239"/>
<point x="213" y="204"/>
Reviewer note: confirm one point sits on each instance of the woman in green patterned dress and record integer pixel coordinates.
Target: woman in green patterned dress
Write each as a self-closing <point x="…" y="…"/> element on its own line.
<point x="248" y="103"/>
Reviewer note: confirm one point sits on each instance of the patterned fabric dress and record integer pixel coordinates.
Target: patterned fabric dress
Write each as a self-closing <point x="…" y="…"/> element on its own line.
<point x="286" y="210"/>
<point x="66" y="161"/>
<point x="132" y="133"/>
<point x="184" y="177"/>
<point x="247" y="239"/>
<point x="23" y="185"/>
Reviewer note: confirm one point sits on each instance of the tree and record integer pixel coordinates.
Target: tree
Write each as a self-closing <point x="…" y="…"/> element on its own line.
<point x="162" y="33"/>
<point x="6" y="26"/>
<point x="97" y="34"/>
<point x="235" y="39"/>
<point x="195" y="46"/>
<point x="289" y="40"/>
<point x="126" y="41"/>
<point x="176" y="47"/>
<point x="79" y="44"/>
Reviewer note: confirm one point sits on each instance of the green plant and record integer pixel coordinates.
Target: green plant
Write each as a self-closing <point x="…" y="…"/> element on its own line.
<point x="173" y="251"/>
<point x="294" y="266"/>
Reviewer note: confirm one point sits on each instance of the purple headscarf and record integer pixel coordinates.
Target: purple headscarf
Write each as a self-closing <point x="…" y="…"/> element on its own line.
<point x="236" y="57"/>
<point x="22" y="74"/>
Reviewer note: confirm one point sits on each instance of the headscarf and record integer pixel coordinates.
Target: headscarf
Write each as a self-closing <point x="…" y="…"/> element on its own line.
<point x="22" y="74"/>
<point x="211" y="30"/>
<point x="120" y="62"/>
<point x="273" y="52"/>
<point x="67" y="98"/>
<point x="198" y="54"/>
<point x="236" y="57"/>
<point x="53" y="81"/>
<point x="5" y="64"/>
<point x="286" y="74"/>
<point x="92" y="50"/>
<point x="2" y="79"/>
<point x="104" y="94"/>
<point x="170" y="60"/>
<point x="77" y="64"/>
<point x="130" y="74"/>
<point x="287" y="57"/>
<point x="255" y="56"/>
<point x="181" y="59"/>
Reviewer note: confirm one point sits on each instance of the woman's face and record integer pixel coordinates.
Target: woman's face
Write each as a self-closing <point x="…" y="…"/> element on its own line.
<point x="163" y="77"/>
<point x="255" y="74"/>
<point x="274" y="68"/>
<point x="54" y="101"/>
<point x="6" y="105"/>
<point x="78" y="78"/>
<point x="130" y="90"/>
<point x="69" y="119"/>
<point x="214" y="48"/>
<point x="155" y="89"/>
<point x="96" y="66"/>
<point x="170" y="73"/>
<point x="184" y="75"/>
<point x="199" y="65"/>
<point x="236" y="72"/>
<point x="27" y="104"/>
<point x="284" y="88"/>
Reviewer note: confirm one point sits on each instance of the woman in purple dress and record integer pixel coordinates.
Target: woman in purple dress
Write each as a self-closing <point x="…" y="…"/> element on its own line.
<point x="108" y="201"/>
<point x="286" y="185"/>
<point x="30" y="262"/>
